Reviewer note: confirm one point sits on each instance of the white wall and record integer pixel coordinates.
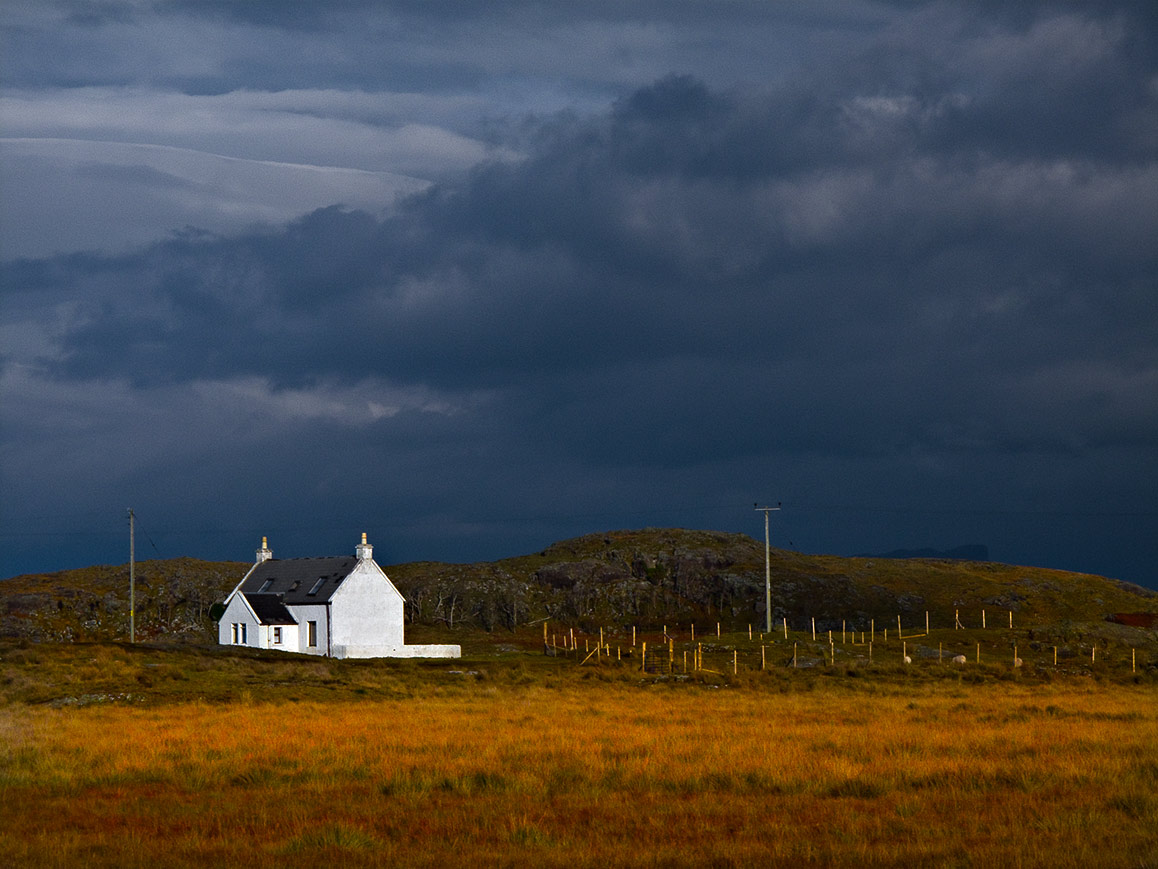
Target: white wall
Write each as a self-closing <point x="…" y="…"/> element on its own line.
<point x="366" y="610"/>
<point x="400" y="651"/>
<point x="304" y="615"/>
<point x="289" y="638"/>
<point x="238" y="613"/>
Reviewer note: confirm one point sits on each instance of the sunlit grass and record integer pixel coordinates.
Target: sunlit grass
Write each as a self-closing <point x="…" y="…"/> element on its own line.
<point x="592" y="773"/>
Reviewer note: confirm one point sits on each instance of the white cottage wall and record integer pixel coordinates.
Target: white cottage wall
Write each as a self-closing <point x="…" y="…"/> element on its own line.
<point x="318" y="613"/>
<point x="367" y="613"/>
<point x="289" y="638"/>
<point x="238" y="613"/>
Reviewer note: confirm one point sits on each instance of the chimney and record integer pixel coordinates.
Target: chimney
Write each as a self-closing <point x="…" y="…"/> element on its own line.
<point x="264" y="554"/>
<point x="364" y="550"/>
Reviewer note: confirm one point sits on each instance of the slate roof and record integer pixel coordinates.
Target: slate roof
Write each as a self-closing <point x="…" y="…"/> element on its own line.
<point x="270" y="610"/>
<point x="292" y="579"/>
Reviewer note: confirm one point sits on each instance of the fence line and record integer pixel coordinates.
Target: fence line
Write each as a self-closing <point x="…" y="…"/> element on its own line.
<point x="749" y="653"/>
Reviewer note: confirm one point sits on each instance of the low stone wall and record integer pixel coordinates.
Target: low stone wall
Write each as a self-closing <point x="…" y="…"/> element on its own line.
<point x="406" y="651"/>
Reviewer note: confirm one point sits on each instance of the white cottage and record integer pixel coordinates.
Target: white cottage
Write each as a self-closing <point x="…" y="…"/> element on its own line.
<point x="341" y="607"/>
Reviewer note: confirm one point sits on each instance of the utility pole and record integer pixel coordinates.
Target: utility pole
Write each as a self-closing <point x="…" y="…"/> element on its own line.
<point x="767" y="569"/>
<point x="132" y="579"/>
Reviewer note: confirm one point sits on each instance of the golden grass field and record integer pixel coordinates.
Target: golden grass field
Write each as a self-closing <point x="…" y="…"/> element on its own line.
<point x="592" y="767"/>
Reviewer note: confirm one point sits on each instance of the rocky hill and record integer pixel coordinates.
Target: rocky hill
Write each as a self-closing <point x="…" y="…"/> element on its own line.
<point x="648" y="578"/>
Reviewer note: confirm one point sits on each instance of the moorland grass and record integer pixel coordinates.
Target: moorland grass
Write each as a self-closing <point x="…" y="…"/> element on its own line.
<point x="225" y="758"/>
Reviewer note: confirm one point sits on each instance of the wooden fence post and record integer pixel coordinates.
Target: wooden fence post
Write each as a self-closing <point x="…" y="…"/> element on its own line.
<point x="1055" y="656"/>
<point x="717" y="629"/>
<point x="786" y="627"/>
<point x="794" y="655"/>
<point x="1011" y="619"/>
<point x="872" y="629"/>
<point x="899" y="634"/>
<point x="735" y="664"/>
<point x="693" y="632"/>
<point x="814" y="629"/>
<point x="842" y="639"/>
<point x="633" y="636"/>
<point x="982" y="618"/>
<point x="762" y="655"/>
<point x="643" y="657"/>
<point x="978" y="653"/>
<point x="749" y="633"/>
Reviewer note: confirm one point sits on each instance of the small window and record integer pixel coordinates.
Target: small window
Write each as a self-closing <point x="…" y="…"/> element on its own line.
<point x="317" y="585"/>
<point x="313" y="633"/>
<point x="239" y="633"/>
<point x="296" y="585"/>
<point x="265" y="586"/>
<point x="277" y="636"/>
<point x="233" y="635"/>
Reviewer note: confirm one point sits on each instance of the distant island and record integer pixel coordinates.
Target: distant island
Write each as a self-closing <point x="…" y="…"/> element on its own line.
<point x="968" y="552"/>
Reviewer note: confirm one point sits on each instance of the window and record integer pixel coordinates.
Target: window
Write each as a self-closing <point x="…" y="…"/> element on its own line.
<point x="243" y="627"/>
<point x="313" y="633"/>
<point x="265" y="586"/>
<point x="317" y="585"/>
<point x="277" y="636"/>
<point x="233" y="628"/>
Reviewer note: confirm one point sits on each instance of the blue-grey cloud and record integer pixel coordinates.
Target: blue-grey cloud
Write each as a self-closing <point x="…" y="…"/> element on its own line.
<point x="918" y="278"/>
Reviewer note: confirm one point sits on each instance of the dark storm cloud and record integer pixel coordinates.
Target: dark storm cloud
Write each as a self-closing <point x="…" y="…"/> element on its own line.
<point x="688" y="231"/>
<point x="925" y="268"/>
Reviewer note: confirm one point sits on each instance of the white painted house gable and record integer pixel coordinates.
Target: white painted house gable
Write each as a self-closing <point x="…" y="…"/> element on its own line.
<point x="341" y="607"/>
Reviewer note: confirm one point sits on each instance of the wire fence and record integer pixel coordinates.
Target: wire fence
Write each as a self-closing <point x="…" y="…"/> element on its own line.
<point x="994" y="643"/>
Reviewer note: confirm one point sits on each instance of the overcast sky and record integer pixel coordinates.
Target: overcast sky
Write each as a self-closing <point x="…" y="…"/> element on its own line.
<point x="473" y="277"/>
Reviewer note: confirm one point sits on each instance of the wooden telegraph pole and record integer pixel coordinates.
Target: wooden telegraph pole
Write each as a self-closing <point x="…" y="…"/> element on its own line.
<point x="767" y="569"/>
<point x="132" y="579"/>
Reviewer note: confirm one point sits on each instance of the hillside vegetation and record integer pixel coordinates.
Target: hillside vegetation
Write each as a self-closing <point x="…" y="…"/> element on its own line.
<point x="648" y="578"/>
